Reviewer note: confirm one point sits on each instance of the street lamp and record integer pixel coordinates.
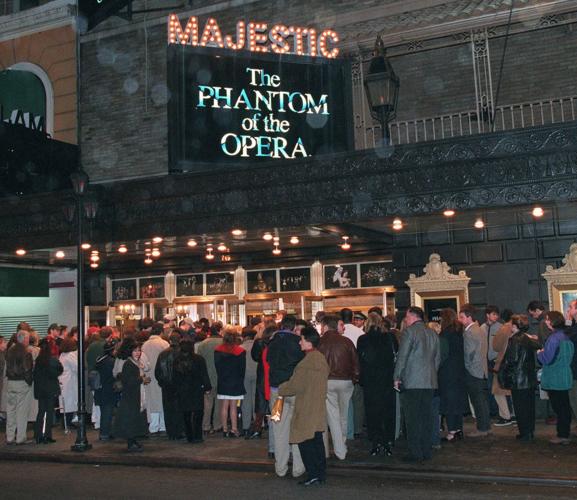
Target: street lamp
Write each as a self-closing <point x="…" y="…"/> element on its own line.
<point x="84" y="208"/>
<point x="382" y="89"/>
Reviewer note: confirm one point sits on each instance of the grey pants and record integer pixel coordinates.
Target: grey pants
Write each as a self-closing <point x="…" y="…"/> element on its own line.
<point x="339" y="393"/>
<point x="18" y="401"/>
<point x="248" y="402"/>
<point x="477" y="390"/>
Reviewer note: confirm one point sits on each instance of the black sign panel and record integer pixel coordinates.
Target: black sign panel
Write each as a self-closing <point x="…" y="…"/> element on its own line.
<point x="96" y="11"/>
<point x="238" y="108"/>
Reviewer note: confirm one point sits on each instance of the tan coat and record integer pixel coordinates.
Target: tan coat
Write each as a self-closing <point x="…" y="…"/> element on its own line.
<point x="309" y="386"/>
<point x="500" y="342"/>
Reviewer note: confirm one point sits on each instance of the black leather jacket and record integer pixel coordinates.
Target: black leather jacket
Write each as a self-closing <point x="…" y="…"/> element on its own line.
<point x="164" y="371"/>
<point x="518" y="366"/>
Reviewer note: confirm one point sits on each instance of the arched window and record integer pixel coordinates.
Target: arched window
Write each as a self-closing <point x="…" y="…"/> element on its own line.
<point x="26" y="96"/>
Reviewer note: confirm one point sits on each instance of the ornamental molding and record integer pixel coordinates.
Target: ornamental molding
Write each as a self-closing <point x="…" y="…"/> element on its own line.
<point x="562" y="279"/>
<point x="438" y="278"/>
<point x="52" y="15"/>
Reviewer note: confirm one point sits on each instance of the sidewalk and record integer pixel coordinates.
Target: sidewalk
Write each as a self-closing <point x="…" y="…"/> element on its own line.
<point x="498" y="458"/>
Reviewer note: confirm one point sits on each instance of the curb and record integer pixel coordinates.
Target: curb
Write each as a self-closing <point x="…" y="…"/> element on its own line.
<point x="416" y="473"/>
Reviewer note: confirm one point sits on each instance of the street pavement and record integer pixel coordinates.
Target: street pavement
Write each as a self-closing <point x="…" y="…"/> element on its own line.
<point x="24" y="480"/>
<point x="498" y="458"/>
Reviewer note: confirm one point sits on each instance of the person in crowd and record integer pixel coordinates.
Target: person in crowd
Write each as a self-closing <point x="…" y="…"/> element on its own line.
<point x="497" y="395"/>
<point x="47" y="369"/>
<point x="53" y="336"/>
<point x="501" y="395"/>
<point x="105" y="396"/>
<point x="377" y="350"/>
<point x="33" y="343"/>
<point x="191" y="382"/>
<point x="95" y="351"/>
<point x="359" y="320"/>
<point x="537" y="326"/>
<point x="571" y="318"/>
<point x="343" y="362"/>
<point x="452" y="374"/>
<point x="557" y="377"/>
<point x="317" y="321"/>
<point x="130" y="422"/>
<point x="475" y="346"/>
<point x="248" y="403"/>
<point x="283" y="355"/>
<point x="69" y="379"/>
<point x="152" y="349"/>
<point x="262" y="396"/>
<point x="165" y="376"/>
<point x="211" y="420"/>
<point x="308" y="385"/>
<point x="230" y="363"/>
<point x="517" y="372"/>
<point x="19" y="374"/>
<point x="416" y="377"/>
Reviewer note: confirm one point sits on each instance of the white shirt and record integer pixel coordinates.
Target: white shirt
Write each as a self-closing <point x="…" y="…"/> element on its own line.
<point x="353" y="333"/>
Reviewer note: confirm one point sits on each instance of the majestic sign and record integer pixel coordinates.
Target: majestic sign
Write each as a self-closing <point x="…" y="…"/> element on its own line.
<point x="234" y="108"/>
<point x="255" y="37"/>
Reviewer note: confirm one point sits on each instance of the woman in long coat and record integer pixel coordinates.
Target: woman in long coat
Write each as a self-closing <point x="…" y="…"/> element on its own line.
<point x="192" y="382"/>
<point x="452" y="375"/>
<point x="308" y="384"/>
<point x="69" y="378"/>
<point x="130" y="420"/>
<point x="377" y="350"/>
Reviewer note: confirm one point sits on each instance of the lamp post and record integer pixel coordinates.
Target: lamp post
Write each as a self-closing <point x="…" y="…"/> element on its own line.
<point x="84" y="208"/>
<point x="382" y="89"/>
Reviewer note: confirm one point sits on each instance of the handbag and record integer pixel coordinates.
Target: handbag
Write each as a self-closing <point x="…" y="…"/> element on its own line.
<point x="276" y="412"/>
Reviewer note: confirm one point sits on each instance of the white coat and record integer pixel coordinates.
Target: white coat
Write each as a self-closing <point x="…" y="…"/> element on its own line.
<point x="152" y="348"/>
<point x="69" y="381"/>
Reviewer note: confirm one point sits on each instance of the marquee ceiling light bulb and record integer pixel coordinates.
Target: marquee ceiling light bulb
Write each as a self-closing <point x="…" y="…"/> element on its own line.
<point x="479" y="224"/>
<point x="346" y="245"/>
<point x="294" y="240"/>
<point x="21" y="252"/>
<point x="276" y="239"/>
<point x="94" y="258"/>
<point x="60" y="254"/>
<point x="449" y="212"/>
<point x="209" y="255"/>
<point x="538" y="212"/>
<point x="397" y="224"/>
<point x="155" y="252"/>
<point x="267" y="237"/>
<point x="237" y="232"/>
<point x="277" y="250"/>
<point x="122" y="249"/>
<point x="191" y="243"/>
<point x="221" y="247"/>
<point x="94" y="265"/>
<point x="148" y="260"/>
<point x="157" y="239"/>
<point x="85" y="246"/>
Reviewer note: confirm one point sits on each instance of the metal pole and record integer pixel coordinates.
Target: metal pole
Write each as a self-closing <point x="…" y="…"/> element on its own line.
<point x="81" y="443"/>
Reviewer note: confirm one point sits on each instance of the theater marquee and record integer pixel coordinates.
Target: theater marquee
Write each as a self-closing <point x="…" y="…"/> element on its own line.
<point x="239" y="107"/>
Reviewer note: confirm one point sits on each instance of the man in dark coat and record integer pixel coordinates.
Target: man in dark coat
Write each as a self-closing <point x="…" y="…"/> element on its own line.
<point x="164" y="373"/>
<point x="191" y="383"/>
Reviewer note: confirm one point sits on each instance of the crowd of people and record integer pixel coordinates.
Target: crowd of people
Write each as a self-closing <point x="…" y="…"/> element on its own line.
<point x="328" y="378"/>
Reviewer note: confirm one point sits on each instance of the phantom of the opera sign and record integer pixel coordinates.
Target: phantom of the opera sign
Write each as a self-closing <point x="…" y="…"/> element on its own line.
<point x="241" y="107"/>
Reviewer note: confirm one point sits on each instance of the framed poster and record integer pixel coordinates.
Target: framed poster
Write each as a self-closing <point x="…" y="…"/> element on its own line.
<point x="295" y="279"/>
<point x="566" y="298"/>
<point x="220" y="283"/>
<point x="434" y="305"/>
<point x="262" y="281"/>
<point x="123" y="290"/>
<point x="151" y="288"/>
<point x="376" y="274"/>
<point x="341" y="276"/>
<point x="189" y="285"/>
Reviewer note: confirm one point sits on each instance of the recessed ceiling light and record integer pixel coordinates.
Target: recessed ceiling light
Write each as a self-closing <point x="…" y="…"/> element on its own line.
<point x="122" y="249"/>
<point x="157" y="239"/>
<point x="60" y="254"/>
<point x="538" y="212"/>
<point x="267" y="237"/>
<point x="94" y="258"/>
<point x="449" y="212"/>
<point x="276" y="251"/>
<point x="397" y="224"/>
<point x="294" y="240"/>
<point x="345" y="245"/>
<point x="94" y="265"/>
<point x="221" y="247"/>
<point x="148" y="260"/>
<point x="209" y="255"/>
<point x="155" y="252"/>
<point x="237" y="232"/>
<point x="191" y="243"/>
<point x="85" y="246"/>
<point x="479" y="224"/>
<point x="21" y="252"/>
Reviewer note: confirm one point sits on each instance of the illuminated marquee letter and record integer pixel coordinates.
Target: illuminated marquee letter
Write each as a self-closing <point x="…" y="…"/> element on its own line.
<point x="240" y="37"/>
<point x="277" y="37"/>
<point x="298" y="40"/>
<point x="211" y="34"/>
<point x="323" y="45"/>
<point x="177" y="35"/>
<point x="256" y="37"/>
